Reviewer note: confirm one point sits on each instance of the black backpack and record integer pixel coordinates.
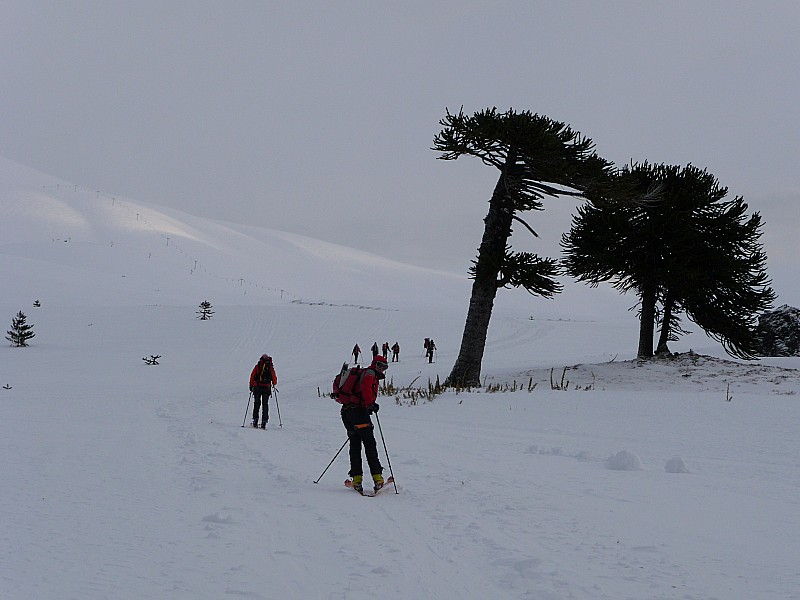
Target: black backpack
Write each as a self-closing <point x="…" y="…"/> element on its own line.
<point x="265" y="376"/>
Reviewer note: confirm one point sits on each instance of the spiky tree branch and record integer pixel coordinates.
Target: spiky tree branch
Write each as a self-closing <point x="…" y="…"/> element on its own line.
<point x="537" y="158"/>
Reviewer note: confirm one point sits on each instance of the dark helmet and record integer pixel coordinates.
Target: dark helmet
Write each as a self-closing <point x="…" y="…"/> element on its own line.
<point x="264" y="357"/>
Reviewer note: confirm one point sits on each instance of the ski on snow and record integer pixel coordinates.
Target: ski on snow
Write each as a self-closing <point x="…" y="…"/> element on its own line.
<point x="349" y="484"/>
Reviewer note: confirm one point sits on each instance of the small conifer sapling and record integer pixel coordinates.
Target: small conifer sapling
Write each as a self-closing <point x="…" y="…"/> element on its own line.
<point x="205" y="312"/>
<point x="20" y="331"/>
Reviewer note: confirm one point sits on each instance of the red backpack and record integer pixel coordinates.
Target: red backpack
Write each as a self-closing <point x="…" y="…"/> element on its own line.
<point x="347" y="385"/>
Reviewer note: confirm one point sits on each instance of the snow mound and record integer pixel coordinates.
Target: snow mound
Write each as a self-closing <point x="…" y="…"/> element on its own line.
<point x="675" y="465"/>
<point x="624" y="461"/>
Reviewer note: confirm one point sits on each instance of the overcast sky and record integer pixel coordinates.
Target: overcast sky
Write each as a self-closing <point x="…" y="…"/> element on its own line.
<point x="318" y="117"/>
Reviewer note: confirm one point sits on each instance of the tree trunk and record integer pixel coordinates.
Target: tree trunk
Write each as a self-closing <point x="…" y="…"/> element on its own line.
<point x="666" y="325"/>
<point x="647" y="322"/>
<point x="467" y="369"/>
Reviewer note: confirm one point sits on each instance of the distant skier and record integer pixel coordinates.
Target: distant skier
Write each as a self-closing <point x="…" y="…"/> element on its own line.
<point x="396" y="352"/>
<point x="356" y="353"/>
<point x="385" y="349"/>
<point x="374" y="350"/>
<point x="430" y="350"/>
<point x="262" y="378"/>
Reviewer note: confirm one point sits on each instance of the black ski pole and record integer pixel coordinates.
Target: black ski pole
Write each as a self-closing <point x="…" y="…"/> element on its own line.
<point x="279" y="407"/>
<point x="247" y="410"/>
<point x="333" y="459"/>
<point x="388" y="461"/>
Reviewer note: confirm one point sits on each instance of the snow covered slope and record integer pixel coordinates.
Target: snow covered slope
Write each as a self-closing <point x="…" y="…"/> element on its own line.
<point x="62" y="242"/>
<point x="670" y="479"/>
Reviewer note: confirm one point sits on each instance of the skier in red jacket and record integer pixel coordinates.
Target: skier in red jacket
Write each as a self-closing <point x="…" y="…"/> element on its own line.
<point x="360" y="430"/>
<point x="262" y="379"/>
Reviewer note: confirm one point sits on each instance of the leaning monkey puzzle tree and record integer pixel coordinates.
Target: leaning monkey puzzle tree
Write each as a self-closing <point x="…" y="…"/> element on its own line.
<point x="682" y="247"/>
<point x="537" y="157"/>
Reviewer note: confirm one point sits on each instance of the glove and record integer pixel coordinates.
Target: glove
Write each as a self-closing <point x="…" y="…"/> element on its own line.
<point x="374" y="407"/>
<point x="251" y="388"/>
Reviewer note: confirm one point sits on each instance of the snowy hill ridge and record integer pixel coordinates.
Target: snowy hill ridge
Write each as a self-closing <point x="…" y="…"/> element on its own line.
<point x="104" y="240"/>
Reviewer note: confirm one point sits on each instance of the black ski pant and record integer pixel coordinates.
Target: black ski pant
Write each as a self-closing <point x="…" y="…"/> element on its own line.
<point x="361" y="432"/>
<point x="258" y="394"/>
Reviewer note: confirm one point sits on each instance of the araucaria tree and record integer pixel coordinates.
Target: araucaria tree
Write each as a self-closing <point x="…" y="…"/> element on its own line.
<point x="683" y="248"/>
<point x="20" y="331"/>
<point x="536" y="157"/>
<point x="205" y="312"/>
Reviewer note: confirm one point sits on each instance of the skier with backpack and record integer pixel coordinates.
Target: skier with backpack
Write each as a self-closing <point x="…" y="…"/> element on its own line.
<point x="356" y="389"/>
<point x="262" y="378"/>
<point x="430" y="349"/>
